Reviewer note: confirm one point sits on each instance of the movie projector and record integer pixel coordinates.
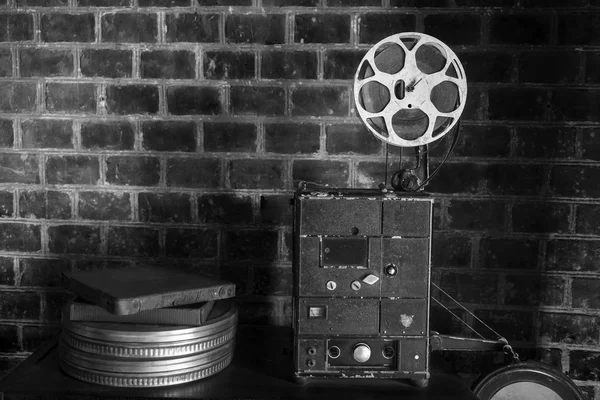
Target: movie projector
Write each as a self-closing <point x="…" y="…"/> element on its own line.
<point x="362" y="258"/>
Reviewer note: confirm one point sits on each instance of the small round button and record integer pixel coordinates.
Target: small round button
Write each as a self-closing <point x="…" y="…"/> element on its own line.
<point x="391" y="270"/>
<point x="361" y="353"/>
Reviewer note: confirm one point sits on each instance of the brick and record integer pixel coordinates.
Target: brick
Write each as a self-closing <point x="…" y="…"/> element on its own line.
<point x="208" y="172"/>
<point x="321" y="172"/>
<point x="532" y="290"/>
<point x="229" y="137"/>
<point x="197" y="243"/>
<point x="553" y="3"/>
<point x="9" y="340"/>
<point x="169" y="135"/>
<point x="573" y="255"/>
<point x="6" y="133"/>
<point x="71" y="98"/>
<point x="9" y="364"/>
<point x="133" y="241"/>
<point x="289" y="65"/>
<point x="106" y="63"/>
<point x="574" y="105"/>
<point x="45" y="204"/>
<point x="371" y="174"/>
<point x="287" y="3"/>
<point x="107" y="135"/>
<point x="276" y="209"/>
<point x="586" y="293"/>
<point x="444" y="26"/>
<point x="255" y="28"/>
<point x="322" y="28"/>
<point x="18" y="168"/>
<point x="320" y="101"/>
<point x="238" y="274"/>
<point x="575" y="181"/>
<point x="514" y="179"/>
<point x="508" y="253"/>
<point x="164" y="3"/>
<point x="569" y="329"/>
<point x="578" y="29"/>
<point x="257" y="100"/>
<point x="43" y="3"/>
<point x="513" y="325"/>
<point x="192" y="100"/>
<point x="105" y="206"/>
<point x="476" y="215"/>
<point x="520" y="29"/>
<point x="420" y="3"/>
<point x="6" y="204"/>
<point x="55" y="302"/>
<point x="229" y="65"/>
<point x="354" y="139"/>
<point x="290" y="138"/>
<point x="590" y="143"/>
<point x="586" y="215"/>
<point x="19" y="237"/>
<point x="584" y="365"/>
<point x="17" y="27"/>
<point x="227" y="208"/>
<point x="592" y="67"/>
<point x="450" y="251"/>
<point x="375" y="27"/>
<point x="129" y="28"/>
<point x="35" y="336"/>
<point x="258" y="312"/>
<point x="253" y="174"/>
<point x="103" y="3"/>
<point x="67" y="27"/>
<point x="341" y="64"/>
<point x="7" y="271"/>
<point x="74" y="239"/>
<point x="545" y="142"/>
<point x="166" y="64"/>
<point x="164" y="207"/>
<point x="225" y="2"/>
<point x="46" y="62"/>
<point x="588" y="392"/>
<point x="475" y="106"/>
<point x="533" y="67"/>
<point x="5" y="63"/>
<point x="72" y="170"/>
<point x="456" y="178"/>
<point x="195" y="28"/>
<point x="20" y="305"/>
<point x="17" y="97"/>
<point x="540" y="217"/>
<point x="132" y="171"/>
<point x="251" y="245"/>
<point x="47" y="133"/>
<point x="132" y="99"/>
<point x="479" y="141"/>
<point x="42" y="272"/>
<point x="441" y="320"/>
<point x="517" y="104"/>
<point x="487" y="66"/>
<point x="480" y="288"/>
<point x="272" y="281"/>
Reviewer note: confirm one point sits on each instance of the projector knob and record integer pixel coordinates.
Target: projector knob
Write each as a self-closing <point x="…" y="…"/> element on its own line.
<point x="361" y="352"/>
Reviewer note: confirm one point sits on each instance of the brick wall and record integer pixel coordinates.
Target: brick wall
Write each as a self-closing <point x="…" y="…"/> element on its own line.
<point x="173" y="131"/>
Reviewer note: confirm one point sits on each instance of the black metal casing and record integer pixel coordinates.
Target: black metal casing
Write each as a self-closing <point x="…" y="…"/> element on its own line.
<point x="362" y="268"/>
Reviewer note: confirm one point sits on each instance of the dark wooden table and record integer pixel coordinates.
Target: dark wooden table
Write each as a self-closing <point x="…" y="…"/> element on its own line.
<point x="261" y="369"/>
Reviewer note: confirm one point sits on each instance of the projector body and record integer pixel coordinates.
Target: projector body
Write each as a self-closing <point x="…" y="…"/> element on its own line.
<point x="362" y="266"/>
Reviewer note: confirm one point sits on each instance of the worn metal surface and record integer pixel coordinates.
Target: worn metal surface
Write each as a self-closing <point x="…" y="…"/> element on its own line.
<point x="131" y="290"/>
<point x="361" y="284"/>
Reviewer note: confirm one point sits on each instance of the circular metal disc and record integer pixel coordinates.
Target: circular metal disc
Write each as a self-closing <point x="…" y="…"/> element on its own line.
<point x="149" y="379"/>
<point x="222" y="317"/>
<point x="526" y="381"/>
<point x="410" y="89"/>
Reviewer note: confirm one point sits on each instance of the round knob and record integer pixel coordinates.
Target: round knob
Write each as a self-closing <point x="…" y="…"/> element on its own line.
<point x="361" y="352"/>
<point x="391" y="270"/>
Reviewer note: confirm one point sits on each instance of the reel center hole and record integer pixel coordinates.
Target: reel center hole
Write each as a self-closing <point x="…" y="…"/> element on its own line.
<point x="400" y="89"/>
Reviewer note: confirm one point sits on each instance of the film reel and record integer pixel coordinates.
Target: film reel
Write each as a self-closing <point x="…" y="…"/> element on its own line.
<point x="410" y="89"/>
<point x="146" y="355"/>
